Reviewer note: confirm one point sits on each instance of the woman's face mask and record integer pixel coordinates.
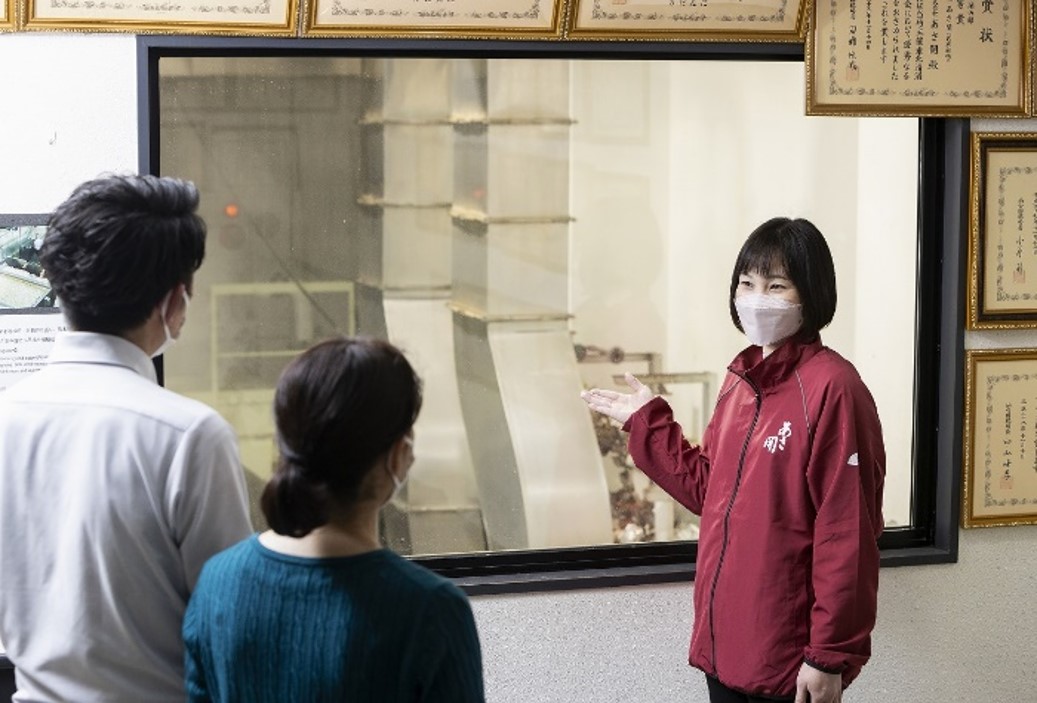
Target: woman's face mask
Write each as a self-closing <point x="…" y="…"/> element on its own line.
<point x="768" y="320"/>
<point x="768" y="308"/>
<point x="398" y="482"/>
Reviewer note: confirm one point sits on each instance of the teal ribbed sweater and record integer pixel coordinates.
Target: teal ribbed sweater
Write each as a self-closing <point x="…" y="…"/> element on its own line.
<point x="263" y="626"/>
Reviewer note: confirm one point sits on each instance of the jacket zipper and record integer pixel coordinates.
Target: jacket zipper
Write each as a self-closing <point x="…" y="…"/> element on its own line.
<point x="727" y="521"/>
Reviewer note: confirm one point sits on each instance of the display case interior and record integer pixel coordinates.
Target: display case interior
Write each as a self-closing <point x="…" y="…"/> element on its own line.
<point x="524" y="228"/>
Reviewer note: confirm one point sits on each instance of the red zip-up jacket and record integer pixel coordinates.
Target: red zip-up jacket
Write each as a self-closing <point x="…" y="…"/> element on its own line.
<point x="788" y="483"/>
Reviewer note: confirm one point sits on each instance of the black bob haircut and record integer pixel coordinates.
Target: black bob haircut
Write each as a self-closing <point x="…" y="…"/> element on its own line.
<point x="798" y="248"/>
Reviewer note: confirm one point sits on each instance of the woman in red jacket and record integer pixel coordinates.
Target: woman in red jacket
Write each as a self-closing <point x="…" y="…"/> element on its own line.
<point x="787" y="481"/>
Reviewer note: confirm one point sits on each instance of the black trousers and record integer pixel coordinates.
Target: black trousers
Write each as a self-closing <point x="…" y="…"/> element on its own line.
<point x="719" y="693"/>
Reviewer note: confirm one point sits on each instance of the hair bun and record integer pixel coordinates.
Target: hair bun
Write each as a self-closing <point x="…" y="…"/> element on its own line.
<point x="290" y="456"/>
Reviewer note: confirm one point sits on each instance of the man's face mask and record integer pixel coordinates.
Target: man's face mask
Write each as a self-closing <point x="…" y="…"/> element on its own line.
<point x="768" y="319"/>
<point x="170" y="339"/>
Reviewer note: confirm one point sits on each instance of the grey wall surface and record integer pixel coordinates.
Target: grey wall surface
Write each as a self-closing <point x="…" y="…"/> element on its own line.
<point x="945" y="633"/>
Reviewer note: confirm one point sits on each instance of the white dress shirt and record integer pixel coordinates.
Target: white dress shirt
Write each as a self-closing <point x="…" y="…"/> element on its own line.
<point x="113" y="493"/>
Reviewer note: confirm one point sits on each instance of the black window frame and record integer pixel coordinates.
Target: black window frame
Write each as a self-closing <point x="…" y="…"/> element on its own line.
<point x="939" y="317"/>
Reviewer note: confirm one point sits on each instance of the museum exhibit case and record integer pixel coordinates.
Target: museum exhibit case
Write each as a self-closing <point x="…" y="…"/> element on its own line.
<point x="527" y="220"/>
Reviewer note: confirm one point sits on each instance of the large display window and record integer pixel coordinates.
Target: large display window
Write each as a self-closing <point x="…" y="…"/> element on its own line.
<point x="526" y="224"/>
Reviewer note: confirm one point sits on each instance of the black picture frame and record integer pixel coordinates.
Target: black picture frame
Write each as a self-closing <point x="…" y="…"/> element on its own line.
<point x="32" y="219"/>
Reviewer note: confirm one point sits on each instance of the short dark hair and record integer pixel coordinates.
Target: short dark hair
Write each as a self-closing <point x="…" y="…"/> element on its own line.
<point x="800" y="249"/>
<point x="118" y="245"/>
<point x="338" y="407"/>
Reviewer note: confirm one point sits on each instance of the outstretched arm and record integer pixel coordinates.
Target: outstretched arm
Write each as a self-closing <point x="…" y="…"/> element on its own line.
<point x="656" y="442"/>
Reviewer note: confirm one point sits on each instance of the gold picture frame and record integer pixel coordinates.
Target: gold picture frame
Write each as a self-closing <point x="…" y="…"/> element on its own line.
<point x="500" y="19"/>
<point x="224" y="17"/>
<point x="999" y="485"/>
<point x="1033" y="61"/>
<point x="756" y="20"/>
<point x="1002" y="258"/>
<point x="8" y="15"/>
<point x="975" y="62"/>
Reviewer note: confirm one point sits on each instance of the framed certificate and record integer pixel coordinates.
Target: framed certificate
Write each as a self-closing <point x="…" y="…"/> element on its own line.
<point x="709" y="20"/>
<point x="1000" y="483"/>
<point x="238" y="17"/>
<point x="920" y="58"/>
<point x="503" y="19"/>
<point x="1002" y="291"/>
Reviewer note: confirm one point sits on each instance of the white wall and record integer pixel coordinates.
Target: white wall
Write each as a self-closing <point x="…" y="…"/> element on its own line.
<point x="955" y="632"/>
<point x="69" y="113"/>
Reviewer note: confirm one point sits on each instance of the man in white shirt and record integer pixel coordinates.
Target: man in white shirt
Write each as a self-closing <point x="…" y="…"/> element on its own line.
<point x="113" y="490"/>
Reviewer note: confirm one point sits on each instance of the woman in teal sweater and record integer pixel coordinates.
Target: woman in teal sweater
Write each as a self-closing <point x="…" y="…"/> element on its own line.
<point x="315" y="609"/>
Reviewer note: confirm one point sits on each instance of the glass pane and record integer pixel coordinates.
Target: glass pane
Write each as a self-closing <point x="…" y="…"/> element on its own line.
<point x="524" y="229"/>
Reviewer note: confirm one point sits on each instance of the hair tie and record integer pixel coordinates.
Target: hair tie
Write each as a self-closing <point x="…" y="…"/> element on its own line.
<point x="290" y="454"/>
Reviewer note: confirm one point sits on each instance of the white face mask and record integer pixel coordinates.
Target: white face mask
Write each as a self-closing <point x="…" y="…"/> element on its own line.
<point x="768" y="319"/>
<point x="398" y="482"/>
<point x="170" y="339"/>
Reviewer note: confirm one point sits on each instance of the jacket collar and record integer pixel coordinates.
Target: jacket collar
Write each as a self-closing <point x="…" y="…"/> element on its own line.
<point x="105" y="349"/>
<point x="782" y="362"/>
